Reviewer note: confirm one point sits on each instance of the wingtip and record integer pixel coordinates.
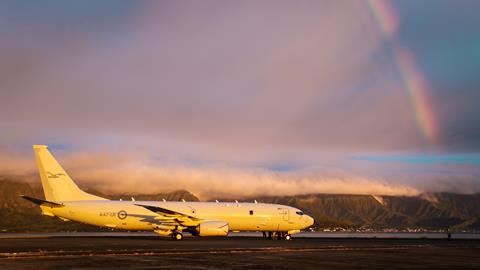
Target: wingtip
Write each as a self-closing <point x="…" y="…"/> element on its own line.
<point x="39" y="146"/>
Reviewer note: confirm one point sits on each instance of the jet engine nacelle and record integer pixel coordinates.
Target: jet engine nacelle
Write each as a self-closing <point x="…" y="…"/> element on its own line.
<point x="213" y="228"/>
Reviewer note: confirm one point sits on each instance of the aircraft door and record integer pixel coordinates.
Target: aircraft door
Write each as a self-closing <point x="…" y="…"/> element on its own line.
<point x="286" y="214"/>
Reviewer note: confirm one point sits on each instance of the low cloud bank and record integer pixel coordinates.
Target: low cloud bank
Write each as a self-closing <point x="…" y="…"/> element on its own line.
<point x="121" y="174"/>
<point x="222" y="182"/>
<point x="140" y="173"/>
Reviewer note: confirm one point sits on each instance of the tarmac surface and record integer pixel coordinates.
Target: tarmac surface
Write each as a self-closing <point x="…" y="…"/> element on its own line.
<point x="147" y="252"/>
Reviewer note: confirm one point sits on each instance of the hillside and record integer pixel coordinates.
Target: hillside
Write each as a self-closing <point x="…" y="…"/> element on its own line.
<point x="432" y="210"/>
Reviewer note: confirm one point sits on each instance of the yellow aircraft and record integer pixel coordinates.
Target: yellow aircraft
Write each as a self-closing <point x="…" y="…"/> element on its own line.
<point x="65" y="200"/>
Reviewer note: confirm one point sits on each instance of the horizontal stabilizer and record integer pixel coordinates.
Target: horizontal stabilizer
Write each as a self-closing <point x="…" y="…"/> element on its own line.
<point x="42" y="202"/>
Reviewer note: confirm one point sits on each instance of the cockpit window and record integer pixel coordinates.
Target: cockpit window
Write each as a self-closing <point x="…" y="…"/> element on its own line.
<point x="300" y="213"/>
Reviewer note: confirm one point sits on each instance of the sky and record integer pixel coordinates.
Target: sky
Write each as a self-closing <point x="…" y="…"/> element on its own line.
<point x="244" y="98"/>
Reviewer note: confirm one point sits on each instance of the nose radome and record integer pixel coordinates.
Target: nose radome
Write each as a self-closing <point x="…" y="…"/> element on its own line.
<point x="310" y="221"/>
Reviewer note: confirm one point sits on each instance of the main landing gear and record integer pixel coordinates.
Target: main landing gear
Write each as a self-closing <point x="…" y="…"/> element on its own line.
<point x="277" y="235"/>
<point x="177" y="236"/>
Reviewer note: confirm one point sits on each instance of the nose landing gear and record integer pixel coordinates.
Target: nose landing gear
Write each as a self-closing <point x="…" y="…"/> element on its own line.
<point x="277" y="235"/>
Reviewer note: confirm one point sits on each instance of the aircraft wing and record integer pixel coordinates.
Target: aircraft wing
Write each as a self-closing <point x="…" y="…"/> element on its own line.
<point x="42" y="202"/>
<point x="170" y="216"/>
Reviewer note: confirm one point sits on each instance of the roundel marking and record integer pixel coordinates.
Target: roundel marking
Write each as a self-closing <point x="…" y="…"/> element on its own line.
<point x="122" y="214"/>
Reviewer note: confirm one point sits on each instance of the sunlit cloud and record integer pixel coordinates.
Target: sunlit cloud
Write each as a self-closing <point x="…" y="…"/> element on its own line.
<point x="120" y="174"/>
<point x="135" y="173"/>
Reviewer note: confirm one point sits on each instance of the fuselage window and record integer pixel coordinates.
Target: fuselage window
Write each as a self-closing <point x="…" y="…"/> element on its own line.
<point x="251" y="212"/>
<point x="300" y="213"/>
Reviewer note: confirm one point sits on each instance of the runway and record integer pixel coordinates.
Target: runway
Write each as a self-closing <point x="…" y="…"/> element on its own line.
<point x="147" y="252"/>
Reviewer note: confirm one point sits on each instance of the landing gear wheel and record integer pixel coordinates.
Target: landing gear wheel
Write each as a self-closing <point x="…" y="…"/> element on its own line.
<point x="288" y="237"/>
<point x="177" y="236"/>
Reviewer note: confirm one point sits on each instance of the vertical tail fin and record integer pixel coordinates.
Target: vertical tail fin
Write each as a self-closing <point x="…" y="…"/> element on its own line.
<point x="56" y="183"/>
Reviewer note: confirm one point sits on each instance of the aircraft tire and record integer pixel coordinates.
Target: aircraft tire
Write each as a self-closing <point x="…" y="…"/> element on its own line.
<point x="177" y="236"/>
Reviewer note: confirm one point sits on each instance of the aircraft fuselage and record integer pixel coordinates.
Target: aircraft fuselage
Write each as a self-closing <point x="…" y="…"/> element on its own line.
<point x="128" y="215"/>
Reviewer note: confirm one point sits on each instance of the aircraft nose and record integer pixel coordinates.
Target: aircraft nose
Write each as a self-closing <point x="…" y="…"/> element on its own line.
<point x="310" y="221"/>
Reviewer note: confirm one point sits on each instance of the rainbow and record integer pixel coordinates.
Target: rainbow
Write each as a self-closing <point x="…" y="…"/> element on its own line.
<point x="417" y="90"/>
<point x="385" y="16"/>
<point x="414" y="82"/>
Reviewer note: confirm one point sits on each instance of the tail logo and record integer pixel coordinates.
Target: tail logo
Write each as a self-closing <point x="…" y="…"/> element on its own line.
<point x="51" y="175"/>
